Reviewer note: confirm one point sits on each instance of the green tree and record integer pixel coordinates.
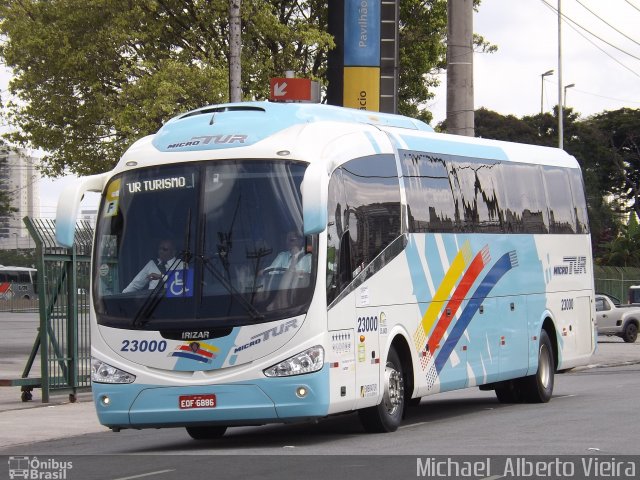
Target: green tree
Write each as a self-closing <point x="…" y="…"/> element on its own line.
<point x="624" y="250"/>
<point x="5" y="195"/>
<point x="92" y="76"/>
<point x="620" y="130"/>
<point x="583" y="140"/>
<point x="18" y="258"/>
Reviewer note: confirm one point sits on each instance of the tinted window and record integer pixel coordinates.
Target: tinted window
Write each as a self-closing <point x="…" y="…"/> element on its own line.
<point x="203" y="244"/>
<point x="526" y="210"/>
<point x="560" y="201"/>
<point x="429" y="193"/>
<point x="579" y="201"/>
<point x="477" y="196"/>
<point x="364" y="217"/>
<point x="373" y="207"/>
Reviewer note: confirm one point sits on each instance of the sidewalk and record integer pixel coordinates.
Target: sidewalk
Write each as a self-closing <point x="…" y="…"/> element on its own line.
<point x="27" y="422"/>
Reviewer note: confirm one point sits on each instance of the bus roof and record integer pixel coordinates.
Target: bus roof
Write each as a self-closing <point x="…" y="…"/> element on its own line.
<point x="4" y="268"/>
<point x="232" y="130"/>
<point x="242" y="124"/>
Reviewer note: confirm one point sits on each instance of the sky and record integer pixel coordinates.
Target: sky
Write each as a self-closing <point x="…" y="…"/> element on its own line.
<point x="526" y="33"/>
<point x="509" y="81"/>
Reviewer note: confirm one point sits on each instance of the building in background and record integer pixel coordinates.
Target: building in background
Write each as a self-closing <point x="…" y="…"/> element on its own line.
<point x="20" y="177"/>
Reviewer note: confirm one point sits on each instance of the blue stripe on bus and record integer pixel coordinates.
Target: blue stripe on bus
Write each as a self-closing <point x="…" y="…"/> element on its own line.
<point x="432" y="254"/>
<point x="418" y="277"/>
<point x="432" y="145"/>
<point x="373" y="142"/>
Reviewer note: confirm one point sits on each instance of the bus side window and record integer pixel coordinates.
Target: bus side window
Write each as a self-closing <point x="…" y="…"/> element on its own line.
<point x="561" y="211"/>
<point x="579" y="200"/>
<point x="335" y="235"/>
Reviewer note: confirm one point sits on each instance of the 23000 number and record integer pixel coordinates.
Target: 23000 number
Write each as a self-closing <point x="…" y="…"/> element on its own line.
<point x="143" y="346"/>
<point x="367" y="324"/>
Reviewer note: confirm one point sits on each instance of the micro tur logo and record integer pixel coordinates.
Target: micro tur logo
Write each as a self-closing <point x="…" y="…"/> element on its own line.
<point x="35" y="469"/>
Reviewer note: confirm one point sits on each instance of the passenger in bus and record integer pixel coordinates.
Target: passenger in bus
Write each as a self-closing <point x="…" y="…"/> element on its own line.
<point x="156" y="268"/>
<point x="294" y="258"/>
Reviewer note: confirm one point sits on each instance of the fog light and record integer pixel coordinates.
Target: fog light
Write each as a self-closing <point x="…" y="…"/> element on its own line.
<point x="301" y="392"/>
<point x="105" y="400"/>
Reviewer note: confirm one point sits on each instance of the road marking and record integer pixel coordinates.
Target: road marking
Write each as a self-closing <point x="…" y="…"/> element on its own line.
<point x="492" y="477"/>
<point x="146" y="474"/>
<point x="412" y="425"/>
<point x="565" y="396"/>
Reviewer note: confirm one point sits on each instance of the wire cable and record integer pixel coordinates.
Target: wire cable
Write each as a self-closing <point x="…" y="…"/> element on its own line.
<point x="591" y="41"/>
<point x="568" y="19"/>
<point x="605" y="22"/>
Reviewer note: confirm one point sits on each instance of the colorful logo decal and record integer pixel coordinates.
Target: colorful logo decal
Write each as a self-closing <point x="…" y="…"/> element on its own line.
<point x="433" y="328"/>
<point x="200" y="352"/>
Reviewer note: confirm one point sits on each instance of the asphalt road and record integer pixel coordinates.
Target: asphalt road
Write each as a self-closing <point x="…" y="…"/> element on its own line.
<point x="592" y="411"/>
<point x="593" y="414"/>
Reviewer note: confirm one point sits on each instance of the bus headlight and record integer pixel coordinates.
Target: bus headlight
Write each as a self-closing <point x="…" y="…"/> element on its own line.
<point x="311" y="360"/>
<point x="104" y="373"/>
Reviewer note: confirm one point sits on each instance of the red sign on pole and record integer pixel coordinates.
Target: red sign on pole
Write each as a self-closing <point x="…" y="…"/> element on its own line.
<point x="293" y="90"/>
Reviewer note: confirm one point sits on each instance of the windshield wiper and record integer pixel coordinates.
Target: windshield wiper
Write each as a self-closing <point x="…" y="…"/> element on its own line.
<point x="143" y="314"/>
<point x="235" y="294"/>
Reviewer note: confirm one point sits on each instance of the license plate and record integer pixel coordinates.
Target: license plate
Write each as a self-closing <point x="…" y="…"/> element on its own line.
<point x="186" y="402"/>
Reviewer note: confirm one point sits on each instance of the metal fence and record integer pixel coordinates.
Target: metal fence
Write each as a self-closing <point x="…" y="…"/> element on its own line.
<point x="64" y="335"/>
<point x="616" y="280"/>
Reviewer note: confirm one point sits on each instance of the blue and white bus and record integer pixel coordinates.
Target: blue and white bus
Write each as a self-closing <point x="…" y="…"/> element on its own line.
<point x="424" y="263"/>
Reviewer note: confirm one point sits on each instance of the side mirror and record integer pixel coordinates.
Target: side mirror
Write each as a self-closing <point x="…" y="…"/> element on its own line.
<point x="69" y="204"/>
<point x="314" y="198"/>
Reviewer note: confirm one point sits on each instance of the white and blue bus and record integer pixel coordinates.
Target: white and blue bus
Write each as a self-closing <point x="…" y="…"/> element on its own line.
<point x="423" y="263"/>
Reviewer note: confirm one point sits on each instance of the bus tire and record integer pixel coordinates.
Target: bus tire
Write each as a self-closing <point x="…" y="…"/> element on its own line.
<point x="630" y="334"/>
<point x="387" y="415"/>
<point x="206" y="433"/>
<point x="538" y="388"/>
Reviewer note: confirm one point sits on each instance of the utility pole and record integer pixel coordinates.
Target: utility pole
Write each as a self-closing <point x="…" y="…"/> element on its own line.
<point x="460" y="111"/>
<point x="560" y="102"/>
<point x="235" y="49"/>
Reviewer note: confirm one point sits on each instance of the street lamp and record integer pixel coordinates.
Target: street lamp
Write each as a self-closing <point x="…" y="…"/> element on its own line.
<point x="571" y="85"/>
<point x="545" y="74"/>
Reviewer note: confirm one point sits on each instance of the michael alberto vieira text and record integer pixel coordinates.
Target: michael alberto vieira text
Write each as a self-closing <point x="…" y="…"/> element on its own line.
<point x="522" y="467"/>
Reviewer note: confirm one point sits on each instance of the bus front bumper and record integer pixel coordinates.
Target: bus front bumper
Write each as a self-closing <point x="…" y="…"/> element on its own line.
<point x="269" y="400"/>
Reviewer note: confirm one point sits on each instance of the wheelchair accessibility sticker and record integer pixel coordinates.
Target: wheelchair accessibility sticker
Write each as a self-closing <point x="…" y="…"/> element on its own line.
<point x="180" y="283"/>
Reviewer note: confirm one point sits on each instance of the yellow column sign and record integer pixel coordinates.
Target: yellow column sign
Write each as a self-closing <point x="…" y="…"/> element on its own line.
<point x="362" y="88"/>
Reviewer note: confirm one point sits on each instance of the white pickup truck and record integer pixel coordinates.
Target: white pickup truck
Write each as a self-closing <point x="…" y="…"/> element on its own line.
<point x="616" y="319"/>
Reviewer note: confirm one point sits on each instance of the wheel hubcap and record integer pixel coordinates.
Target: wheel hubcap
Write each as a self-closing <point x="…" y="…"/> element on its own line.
<point x="393" y="389"/>
<point x="544" y="367"/>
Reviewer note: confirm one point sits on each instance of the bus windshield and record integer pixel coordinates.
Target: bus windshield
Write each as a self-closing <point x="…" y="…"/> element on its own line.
<point x="203" y="245"/>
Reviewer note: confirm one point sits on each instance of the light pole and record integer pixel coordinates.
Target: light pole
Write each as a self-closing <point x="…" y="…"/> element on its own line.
<point x="545" y="74"/>
<point x="571" y="85"/>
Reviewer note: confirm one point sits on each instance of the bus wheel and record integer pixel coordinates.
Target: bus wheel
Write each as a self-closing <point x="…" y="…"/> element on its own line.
<point x="538" y="388"/>
<point x="386" y="416"/>
<point x="630" y="333"/>
<point x="206" y="433"/>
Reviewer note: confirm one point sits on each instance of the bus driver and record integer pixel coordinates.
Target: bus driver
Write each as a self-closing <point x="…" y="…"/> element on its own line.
<point x="155" y="269"/>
